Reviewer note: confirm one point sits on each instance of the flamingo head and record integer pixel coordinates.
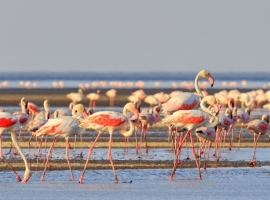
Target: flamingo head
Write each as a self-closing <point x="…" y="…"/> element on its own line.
<point x="265" y="117"/>
<point x="206" y="74"/>
<point x="27" y="175"/>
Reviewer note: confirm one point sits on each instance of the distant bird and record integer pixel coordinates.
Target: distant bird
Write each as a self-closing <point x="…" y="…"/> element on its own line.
<point x="111" y="94"/>
<point x="23" y="115"/>
<point x="140" y="94"/>
<point x="9" y="123"/>
<point x="148" y="117"/>
<point x="76" y="97"/>
<point x="258" y="127"/>
<point x="190" y="120"/>
<point x="93" y="97"/>
<point x="64" y="111"/>
<point x="108" y="121"/>
<point x="64" y="126"/>
<point x="33" y="109"/>
<point x="243" y="117"/>
<point x="151" y="100"/>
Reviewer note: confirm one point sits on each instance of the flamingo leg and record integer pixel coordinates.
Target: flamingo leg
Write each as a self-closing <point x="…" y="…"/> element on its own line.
<point x="239" y="136"/>
<point x="195" y="156"/>
<point x="81" y="155"/>
<point x="177" y="155"/>
<point x="4" y="158"/>
<point x="253" y="161"/>
<point x="88" y="157"/>
<point x="49" y="154"/>
<point x="68" y="162"/>
<point x="74" y="149"/>
<point x="111" y="160"/>
<point x="39" y="152"/>
<point x="29" y="150"/>
<point x="136" y="139"/>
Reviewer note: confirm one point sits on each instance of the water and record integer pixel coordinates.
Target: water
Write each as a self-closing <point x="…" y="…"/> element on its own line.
<point x="217" y="183"/>
<point x="127" y="80"/>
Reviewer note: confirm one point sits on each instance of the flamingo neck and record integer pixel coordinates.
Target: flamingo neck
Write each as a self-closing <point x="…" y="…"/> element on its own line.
<point x="27" y="173"/>
<point x="198" y="90"/>
<point x="131" y="129"/>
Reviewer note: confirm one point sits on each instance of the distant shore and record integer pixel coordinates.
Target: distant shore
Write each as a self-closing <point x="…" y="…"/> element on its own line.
<point x="57" y="97"/>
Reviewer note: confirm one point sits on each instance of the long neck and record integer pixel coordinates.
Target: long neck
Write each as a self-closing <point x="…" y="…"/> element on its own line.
<point x="131" y="129"/>
<point x="214" y="122"/>
<point x="198" y="90"/>
<point x="23" y="107"/>
<point x="27" y="172"/>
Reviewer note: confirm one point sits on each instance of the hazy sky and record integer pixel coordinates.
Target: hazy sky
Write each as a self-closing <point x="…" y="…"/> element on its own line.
<point x="138" y="35"/>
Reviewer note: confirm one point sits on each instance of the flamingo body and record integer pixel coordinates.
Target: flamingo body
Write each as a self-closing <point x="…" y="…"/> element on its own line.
<point x="182" y="101"/>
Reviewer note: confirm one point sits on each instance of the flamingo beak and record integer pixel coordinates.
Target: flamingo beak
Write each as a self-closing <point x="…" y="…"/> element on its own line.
<point x="217" y="109"/>
<point x="211" y="80"/>
<point x="85" y="114"/>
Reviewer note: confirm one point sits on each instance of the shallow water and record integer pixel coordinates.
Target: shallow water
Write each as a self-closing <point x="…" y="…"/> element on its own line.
<point x="217" y="183"/>
<point x="156" y="154"/>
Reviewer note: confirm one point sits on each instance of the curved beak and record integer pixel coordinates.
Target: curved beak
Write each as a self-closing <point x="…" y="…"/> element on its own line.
<point x="85" y="114"/>
<point x="211" y="80"/>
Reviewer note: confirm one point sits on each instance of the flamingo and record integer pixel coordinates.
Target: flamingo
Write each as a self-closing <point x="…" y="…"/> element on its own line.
<point x="22" y="116"/>
<point x="64" y="126"/>
<point x="64" y="111"/>
<point x="151" y="100"/>
<point x="93" y="98"/>
<point x="109" y="121"/>
<point x="111" y="94"/>
<point x="9" y="122"/>
<point x="187" y="100"/>
<point x="33" y="109"/>
<point x="40" y="119"/>
<point x="259" y="127"/>
<point x="244" y="118"/>
<point x="205" y="134"/>
<point x="148" y="118"/>
<point x="76" y="97"/>
<point x="190" y="120"/>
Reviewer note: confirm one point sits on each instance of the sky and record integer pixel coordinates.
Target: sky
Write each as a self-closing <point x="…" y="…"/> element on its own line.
<point x="138" y="35"/>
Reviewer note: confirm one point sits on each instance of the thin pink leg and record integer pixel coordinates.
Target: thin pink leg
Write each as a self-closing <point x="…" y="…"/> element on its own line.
<point x="88" y="157"/>
<point x="49" y="154"/>
<point x="195" y="156"/>
<point x="253" y="161"/>
<point x="239" y="136"/>
<point x="67" y="157"/>
<point x="29" y="150"/>
<point x="110" y="157"/>
<point x="176" y="156"/>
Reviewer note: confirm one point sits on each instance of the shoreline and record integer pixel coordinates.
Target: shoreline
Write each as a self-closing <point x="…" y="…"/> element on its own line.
<point x="57" y="97"/>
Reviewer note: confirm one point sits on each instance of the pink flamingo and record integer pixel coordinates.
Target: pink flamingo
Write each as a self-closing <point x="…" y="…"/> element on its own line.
<point x="9" y="122"/>
<point x="259" y="127"/>
<point x="93" y="98"/>
<point x="187" y="100"/>
<point x="205" y="134"/>
<point x="40" y="119"/>
<point x="244" y="118"/>
<point x="64" y="126"/>
<point x="76" y="97"/>
<point x="190" y="120"/>
<point x="22" y="116"/>
<point x="33" y="109"/>
<point x="111" y="94"/>
<point x="64" y="111"/>
<point x="108" y="121"/>
<point x="148" y="118"/>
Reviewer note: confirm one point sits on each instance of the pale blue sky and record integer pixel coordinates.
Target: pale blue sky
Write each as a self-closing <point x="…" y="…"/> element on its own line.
<point x="138" y="35"/>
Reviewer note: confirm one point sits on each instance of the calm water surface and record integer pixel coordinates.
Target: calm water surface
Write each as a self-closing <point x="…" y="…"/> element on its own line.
<point x="218" y="183"/>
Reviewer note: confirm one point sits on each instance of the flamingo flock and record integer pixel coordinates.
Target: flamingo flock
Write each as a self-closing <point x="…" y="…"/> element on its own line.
<point x="186" y="114"/>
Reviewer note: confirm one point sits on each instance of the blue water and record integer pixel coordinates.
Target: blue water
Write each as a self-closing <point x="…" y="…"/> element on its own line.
<point x="217" y="183"/>
<point x="73" y="79"/>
